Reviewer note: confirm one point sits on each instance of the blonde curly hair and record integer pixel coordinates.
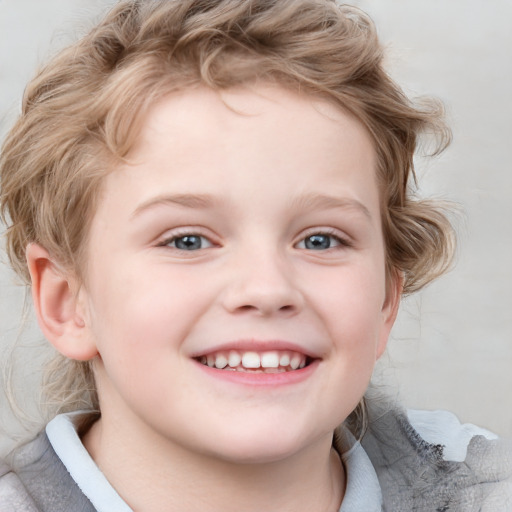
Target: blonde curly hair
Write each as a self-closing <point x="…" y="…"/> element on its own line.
<point x="82" y="112"/>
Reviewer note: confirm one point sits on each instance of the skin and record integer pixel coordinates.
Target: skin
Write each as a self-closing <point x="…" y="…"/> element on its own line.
<point x="254" y="172"/>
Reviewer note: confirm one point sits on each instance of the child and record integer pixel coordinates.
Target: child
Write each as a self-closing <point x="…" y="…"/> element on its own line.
<point x="210" y="201"/>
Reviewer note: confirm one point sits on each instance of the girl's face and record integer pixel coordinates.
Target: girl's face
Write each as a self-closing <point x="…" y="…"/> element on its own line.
<point x="236" y="287"/>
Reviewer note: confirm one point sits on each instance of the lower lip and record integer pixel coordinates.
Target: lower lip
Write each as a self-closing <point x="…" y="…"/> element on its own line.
<point x="262" y="379"/>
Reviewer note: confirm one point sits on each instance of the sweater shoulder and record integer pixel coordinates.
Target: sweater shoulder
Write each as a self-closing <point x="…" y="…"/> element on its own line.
<point x="430" y="461"/>
<point x="38" y="481"/>
<point x="13" y="494"/>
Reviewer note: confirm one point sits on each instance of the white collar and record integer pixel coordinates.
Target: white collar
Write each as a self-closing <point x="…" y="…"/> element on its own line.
<point x="362" y="491"/>
<point x="63" y="436"/>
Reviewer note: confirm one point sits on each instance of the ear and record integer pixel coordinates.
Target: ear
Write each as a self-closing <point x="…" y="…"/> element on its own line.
<point x="56" y="297"/>
<point x="390" y="307"/>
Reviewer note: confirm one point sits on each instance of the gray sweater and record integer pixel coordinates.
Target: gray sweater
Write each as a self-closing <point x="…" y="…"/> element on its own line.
<point x="412" y="473"/>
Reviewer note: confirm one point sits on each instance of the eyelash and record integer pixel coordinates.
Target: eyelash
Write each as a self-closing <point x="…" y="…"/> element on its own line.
<point x="341" y="242"/>
<point x="184" y="234"/>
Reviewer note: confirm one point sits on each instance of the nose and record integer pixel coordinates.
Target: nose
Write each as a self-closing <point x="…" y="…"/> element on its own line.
<point x="264" y="285"/>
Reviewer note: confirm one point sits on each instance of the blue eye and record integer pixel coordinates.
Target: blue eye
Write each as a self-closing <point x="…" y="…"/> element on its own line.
<point x="320" y="242"/>
<point x="189" y="242"/>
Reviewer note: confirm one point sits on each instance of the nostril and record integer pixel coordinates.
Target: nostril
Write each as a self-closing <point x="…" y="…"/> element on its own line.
<point x="266" y="309"/>
<point x="246" y="307"/>
<point x="262" y="298"/>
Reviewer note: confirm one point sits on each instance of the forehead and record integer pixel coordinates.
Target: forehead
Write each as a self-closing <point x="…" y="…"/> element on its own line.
<point x="258" y="138"/>
<point x="224" y="121"/>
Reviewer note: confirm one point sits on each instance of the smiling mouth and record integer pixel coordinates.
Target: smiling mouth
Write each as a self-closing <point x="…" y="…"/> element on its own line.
<point x="274" y="361"/>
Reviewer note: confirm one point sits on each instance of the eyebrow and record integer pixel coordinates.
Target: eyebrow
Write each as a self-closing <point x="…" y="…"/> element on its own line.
<point x="315" y="201"/>
<point x="204" y="201"/>
<point x="186" y="200"/>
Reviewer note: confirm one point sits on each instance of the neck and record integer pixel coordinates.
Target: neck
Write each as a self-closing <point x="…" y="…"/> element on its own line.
<point x="155" y="475"/>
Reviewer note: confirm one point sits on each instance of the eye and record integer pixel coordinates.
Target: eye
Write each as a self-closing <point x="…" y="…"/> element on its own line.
<point x="321" y="242"/>
<point x="188" y="242"/>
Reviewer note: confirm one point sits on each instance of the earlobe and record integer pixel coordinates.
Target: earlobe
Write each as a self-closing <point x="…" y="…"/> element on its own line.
<point x="390" y="309"/>
<point x="56" y="302"/>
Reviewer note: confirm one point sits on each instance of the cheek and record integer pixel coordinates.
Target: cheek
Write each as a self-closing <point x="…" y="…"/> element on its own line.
<point x="352" y="314"/>
<point x="140" y="313"/>
<point x="356" y="294"/>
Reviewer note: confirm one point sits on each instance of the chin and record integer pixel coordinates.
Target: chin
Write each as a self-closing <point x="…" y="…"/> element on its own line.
<point x="259" y="447"/>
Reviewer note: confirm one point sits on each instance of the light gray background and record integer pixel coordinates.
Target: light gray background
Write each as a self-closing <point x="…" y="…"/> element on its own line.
<point x="452" y="345"/>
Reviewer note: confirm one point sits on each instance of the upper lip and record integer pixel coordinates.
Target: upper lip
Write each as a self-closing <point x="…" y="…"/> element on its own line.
<point x="253" y="345"/>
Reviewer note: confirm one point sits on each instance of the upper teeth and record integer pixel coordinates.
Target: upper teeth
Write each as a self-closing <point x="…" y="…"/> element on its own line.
<point x="283" y="359"/>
